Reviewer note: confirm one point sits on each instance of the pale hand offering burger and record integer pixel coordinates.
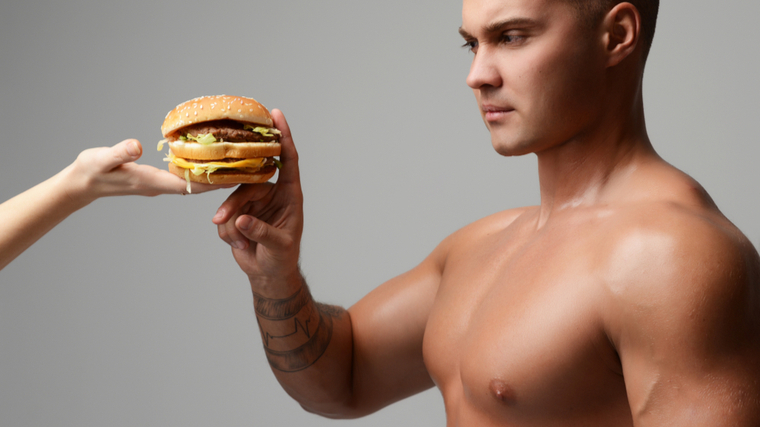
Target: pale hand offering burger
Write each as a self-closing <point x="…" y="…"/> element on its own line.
<point x="221" y="139"/>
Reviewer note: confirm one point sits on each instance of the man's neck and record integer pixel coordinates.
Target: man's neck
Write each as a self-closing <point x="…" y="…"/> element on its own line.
<point x="581" y="171"/>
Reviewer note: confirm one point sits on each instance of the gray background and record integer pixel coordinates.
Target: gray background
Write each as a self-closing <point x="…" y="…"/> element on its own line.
<point x="133" y="312"/>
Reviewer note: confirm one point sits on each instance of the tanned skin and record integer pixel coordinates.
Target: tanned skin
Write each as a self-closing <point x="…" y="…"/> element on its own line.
<point x="624" y="299"/>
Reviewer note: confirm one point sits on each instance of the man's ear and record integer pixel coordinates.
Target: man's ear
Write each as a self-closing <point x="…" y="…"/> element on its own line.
<point x="622" y="32"/>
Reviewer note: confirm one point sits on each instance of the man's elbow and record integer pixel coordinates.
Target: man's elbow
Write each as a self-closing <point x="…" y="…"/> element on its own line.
<point x="344" y="410"/>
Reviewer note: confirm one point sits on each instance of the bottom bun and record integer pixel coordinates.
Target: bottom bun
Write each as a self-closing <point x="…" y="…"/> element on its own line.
<point x="229" y="176"/>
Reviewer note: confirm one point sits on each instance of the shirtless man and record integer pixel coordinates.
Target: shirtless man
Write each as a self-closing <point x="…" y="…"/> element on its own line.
<point x="625" y="298"/>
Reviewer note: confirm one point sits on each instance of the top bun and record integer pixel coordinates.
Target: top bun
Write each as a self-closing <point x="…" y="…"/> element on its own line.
<point x="217" y="107"/>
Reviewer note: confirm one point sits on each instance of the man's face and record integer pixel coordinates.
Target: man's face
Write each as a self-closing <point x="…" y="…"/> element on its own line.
<point x="537" y="72"/>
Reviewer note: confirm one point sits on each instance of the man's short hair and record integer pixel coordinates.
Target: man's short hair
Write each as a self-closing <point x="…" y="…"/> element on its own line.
<point x="592" y="11"/>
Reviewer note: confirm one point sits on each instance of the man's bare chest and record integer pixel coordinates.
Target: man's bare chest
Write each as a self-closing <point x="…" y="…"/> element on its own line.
<point x="517" y="330"/>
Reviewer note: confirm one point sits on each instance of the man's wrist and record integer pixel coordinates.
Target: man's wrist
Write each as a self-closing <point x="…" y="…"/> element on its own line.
<point x="277" y="287"/>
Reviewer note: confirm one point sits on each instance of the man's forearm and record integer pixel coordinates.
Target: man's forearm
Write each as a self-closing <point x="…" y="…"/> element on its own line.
<point x="297" y="333"/>
<point x="295" y="330"/>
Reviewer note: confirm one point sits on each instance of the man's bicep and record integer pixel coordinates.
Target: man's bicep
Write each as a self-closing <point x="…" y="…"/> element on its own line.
<point x="710" y="393"/>
<point x="689" y="342"/>
<point x="388" y="327"/>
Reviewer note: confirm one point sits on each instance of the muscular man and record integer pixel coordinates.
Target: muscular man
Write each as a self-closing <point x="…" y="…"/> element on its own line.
<point x="624" y="298"/>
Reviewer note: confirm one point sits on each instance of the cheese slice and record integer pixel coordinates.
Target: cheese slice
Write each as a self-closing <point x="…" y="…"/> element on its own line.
<point x="240" y="164"/>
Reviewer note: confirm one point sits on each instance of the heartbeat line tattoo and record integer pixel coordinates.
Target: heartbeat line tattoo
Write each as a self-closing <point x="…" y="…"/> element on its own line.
<point x="308" y="353"/>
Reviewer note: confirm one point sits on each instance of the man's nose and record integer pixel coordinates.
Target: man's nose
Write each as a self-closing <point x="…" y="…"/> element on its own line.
<point x="483" y="70"/>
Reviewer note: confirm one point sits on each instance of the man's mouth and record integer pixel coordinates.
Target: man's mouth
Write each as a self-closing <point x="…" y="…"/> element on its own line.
<point x="493" y="113"/>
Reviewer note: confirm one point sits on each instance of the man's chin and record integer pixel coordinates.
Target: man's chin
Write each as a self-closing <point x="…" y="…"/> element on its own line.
<point x="507" y="140"/>
<point x="510" y="148"/>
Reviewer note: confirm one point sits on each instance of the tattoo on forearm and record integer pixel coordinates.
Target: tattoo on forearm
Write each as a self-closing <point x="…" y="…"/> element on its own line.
<point x="283" y="321"/>
<point x="281" y="309"/>
<point x="307" y="354"/>
<point x="298" y="325"/>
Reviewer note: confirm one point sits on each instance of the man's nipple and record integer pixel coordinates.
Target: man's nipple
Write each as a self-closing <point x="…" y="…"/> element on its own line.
<point x="502" y="392"/>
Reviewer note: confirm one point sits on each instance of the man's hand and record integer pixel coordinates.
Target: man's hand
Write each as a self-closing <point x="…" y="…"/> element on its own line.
<point x="111" y="171"/>
<point x="263" y="224"/>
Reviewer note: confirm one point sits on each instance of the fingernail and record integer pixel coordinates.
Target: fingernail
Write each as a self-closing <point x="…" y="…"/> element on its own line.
<point x="132" y="149"/>
<point x="244" y="223"/>
<point x="238" y="244"/>
<point x="219" y="214"/>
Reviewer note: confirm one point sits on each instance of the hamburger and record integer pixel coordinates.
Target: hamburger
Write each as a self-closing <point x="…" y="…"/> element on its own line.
<point x="221" y="140"/>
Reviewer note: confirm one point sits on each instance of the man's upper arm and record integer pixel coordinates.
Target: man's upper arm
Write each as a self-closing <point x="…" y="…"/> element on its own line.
<point x="388" y="327"/>
<point x="687" y="327"/>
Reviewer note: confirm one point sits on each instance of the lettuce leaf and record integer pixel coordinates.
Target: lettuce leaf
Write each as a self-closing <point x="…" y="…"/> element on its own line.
<point x="187" y="179"/>
<point x="203" y="139"/>
<point x="262" y="130"/>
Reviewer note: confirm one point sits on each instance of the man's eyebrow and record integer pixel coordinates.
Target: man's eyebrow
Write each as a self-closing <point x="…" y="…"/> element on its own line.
<point x="497" y="26"/>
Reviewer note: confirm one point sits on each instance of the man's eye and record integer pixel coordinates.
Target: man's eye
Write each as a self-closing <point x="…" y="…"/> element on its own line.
<point x="472" y="46"/>
<point x="510" y="38"/>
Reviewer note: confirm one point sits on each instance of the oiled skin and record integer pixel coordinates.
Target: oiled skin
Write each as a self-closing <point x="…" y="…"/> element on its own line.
<point x="603" y="312"/>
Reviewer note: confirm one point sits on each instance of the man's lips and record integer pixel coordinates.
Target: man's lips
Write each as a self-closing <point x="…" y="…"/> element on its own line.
<point x="492" y="113"/>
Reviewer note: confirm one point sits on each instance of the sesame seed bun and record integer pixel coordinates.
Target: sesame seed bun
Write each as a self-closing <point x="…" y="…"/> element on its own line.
<point x="217" y="107"/>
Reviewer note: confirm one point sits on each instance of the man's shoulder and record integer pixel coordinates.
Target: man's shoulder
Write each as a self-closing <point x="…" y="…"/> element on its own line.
<point x="680" y="302"/>
<point x="679" y="236"/>
<point x="674" y="231"/>
<point x="678" y="260"/>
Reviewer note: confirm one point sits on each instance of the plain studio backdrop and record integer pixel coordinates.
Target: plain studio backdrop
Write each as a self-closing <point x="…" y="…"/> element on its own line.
<point x="132" y="312"/>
